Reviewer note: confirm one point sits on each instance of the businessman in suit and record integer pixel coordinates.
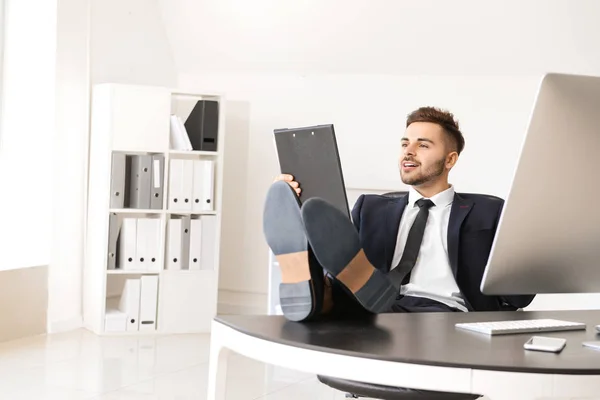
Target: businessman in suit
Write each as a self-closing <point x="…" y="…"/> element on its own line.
<point x="422" y="252"/>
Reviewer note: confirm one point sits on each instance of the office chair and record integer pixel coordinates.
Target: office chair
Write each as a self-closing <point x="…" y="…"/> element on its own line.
<point x="357" y="390"/>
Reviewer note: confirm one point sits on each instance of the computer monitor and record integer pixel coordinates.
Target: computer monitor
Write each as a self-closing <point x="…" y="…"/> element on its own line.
<point x="311" y="155"/>
<point x="548" y="237"/>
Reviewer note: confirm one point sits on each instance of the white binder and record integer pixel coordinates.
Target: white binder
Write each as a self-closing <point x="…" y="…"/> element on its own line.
<point x="127" y="244"/>
<point x="195" y="243"/>
<point x="188" y="180"/>
<point x="175" y="184"/>
<point x="179" y="139"/>
<point x="180" y="185"/>
<point x="209" y="242"/>
<point x="203" y="188"/>
<point x="148" y="244"/>
<point x="130" y="303"/>
<point x="148" y="302"/>
<point x="174" y="244"/>
<point x="185" y="241"/>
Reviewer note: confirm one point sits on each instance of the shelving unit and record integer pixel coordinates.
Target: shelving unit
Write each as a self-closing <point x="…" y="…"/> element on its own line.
<point x="135" y="120"/>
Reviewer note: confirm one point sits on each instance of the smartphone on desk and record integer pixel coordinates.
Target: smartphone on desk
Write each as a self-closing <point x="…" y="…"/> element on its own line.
<point x="543" y="343"/>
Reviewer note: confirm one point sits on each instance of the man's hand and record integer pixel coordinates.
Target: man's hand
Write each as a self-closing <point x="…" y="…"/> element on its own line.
<point x="289" y="179"/>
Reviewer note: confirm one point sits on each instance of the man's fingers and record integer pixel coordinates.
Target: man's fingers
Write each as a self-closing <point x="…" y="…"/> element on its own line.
<point x="284" y="177"/>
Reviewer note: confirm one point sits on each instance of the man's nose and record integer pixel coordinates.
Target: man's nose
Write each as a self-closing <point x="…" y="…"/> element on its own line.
<point x="409" y="150"/>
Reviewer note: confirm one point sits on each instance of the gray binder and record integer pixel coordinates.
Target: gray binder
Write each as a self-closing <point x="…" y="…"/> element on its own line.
<point x="156" y="190"/>
<point x="186" y="222"/>
<point x="117" y="180"/>
<point x="139" y="190"/>
<point x="114" y="227"/>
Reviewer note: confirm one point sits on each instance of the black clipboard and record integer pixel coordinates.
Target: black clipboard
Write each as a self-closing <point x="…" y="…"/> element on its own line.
<point x="311" y="155"/>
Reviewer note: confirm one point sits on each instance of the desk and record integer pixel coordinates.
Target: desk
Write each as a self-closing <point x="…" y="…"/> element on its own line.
<point x="421" y="351"/>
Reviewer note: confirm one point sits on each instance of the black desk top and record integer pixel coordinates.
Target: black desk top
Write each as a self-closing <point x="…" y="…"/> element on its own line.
<point x="432" y="339"/>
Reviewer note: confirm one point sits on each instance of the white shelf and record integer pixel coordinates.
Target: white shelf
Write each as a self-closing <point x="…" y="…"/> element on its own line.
<point x="130" y="272"/>
<point x="193" y="153"/>
<point x="135" y="211"/>
<point x="158" y="212"/>
<point x="135" y="120"/>
<point x="170" y="212"/>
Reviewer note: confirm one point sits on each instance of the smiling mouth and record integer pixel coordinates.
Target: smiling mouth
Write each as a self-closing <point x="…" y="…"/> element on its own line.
<point x="408" y="164"/>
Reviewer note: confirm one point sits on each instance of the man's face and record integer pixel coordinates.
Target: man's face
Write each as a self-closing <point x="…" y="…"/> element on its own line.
<point x="423" y="156"/>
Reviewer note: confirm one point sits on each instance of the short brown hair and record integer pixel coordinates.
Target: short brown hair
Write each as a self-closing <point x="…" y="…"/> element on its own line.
<point x="443" y="118"/>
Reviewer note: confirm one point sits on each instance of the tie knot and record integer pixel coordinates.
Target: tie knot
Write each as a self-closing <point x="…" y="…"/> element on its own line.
<point x="425" y="203"/>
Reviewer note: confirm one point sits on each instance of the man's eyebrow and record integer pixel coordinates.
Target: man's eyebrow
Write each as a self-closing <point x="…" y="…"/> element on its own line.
<point x="419" y="140"/>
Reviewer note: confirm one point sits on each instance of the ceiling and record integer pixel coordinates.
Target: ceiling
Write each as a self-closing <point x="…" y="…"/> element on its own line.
<point x="383" y="36"/>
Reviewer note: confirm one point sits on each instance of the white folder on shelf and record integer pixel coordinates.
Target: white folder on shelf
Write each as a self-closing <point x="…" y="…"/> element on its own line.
<point x="209" y="241"/>
<point x="179" y="139"/>
<point x="188" y="180"/>
<point x="203" y="187"/>
<point x="148" y="244"/>
<point x="127" y="244"/>
<point x="185" y="241"/>
<point x="175" y="184"/>
<point x="148" y="302"/>
<point x="130" y="303"/>
<point x="185" y="136"/>
<point x="174" y="244"/>
<point x="195" y="243"/>
<point x="141" y="253"/>
<point x="180" y="185"/>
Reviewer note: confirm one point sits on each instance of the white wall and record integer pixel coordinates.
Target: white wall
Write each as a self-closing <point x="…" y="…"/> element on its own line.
<point x="369" y="114"/>
<point x="129" y="44"/>
<point x="398" y="37"/>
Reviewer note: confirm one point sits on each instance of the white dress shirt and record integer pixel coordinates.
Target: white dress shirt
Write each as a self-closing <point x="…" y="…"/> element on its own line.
<point x="431" y="276"/>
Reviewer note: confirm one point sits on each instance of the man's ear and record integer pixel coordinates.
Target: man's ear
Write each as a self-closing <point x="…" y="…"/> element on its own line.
<point x="451" y="159"/>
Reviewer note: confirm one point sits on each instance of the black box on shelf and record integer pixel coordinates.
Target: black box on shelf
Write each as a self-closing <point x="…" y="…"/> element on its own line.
<point x="202" y="125"/>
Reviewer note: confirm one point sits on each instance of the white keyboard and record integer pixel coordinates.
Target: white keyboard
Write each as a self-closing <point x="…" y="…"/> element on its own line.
<point x="521" y="326"/>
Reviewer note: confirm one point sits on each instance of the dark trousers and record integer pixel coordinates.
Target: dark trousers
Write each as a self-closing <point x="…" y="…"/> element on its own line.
<point x="346" y="305"/>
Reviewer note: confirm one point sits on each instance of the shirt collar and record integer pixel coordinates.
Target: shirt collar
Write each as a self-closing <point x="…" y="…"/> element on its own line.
<point x="440" y="200"/>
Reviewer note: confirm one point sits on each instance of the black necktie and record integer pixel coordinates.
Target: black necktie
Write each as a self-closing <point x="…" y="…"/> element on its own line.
<point x="401" y="274"/>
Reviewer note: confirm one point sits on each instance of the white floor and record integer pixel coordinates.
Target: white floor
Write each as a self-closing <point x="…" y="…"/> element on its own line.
<point x="80" y="365"/>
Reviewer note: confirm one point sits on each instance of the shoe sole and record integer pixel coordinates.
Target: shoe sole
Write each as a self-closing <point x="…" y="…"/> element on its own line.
<point x="336" y="245"/>
<point x="284" y="233"/>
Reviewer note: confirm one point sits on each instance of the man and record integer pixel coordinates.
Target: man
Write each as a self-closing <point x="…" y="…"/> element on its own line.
<point x="426" y="251"/>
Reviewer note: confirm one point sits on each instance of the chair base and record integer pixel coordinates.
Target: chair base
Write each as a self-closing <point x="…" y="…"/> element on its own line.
<point x="361" y="389"/>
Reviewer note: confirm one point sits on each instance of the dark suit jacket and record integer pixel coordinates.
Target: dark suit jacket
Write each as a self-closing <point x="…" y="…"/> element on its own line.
<point x="471" y="229"/>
